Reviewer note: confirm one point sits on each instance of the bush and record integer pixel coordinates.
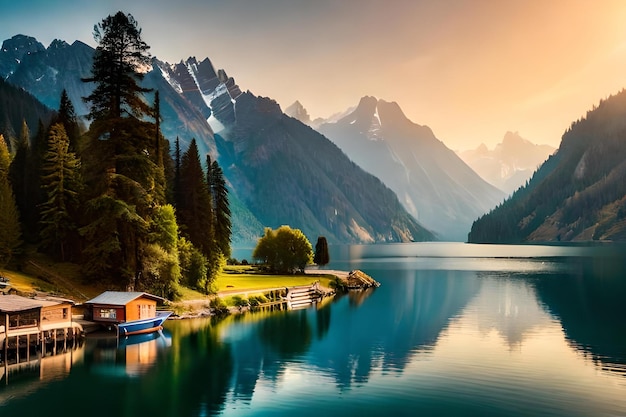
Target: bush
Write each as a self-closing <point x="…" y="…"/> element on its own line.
<point x="240" y="302"/>
<point x="219" y="307"/>
<point x="284" y="250"/>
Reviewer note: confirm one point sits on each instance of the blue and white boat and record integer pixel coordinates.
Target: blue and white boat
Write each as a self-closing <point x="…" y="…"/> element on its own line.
<point x="143" y="326"/>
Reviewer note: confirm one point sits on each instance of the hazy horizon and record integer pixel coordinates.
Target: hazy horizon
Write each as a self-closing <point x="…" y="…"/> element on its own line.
<point x="469" y="69"/>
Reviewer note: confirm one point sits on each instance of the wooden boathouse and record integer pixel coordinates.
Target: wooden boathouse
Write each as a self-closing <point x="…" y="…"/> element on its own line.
<point x="29" y="324"/>
<point x="112" y="307"/>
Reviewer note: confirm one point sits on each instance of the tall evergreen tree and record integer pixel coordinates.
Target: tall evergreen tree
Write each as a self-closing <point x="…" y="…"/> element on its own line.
<point x="10" y="232"/>
<point x="5" y="159"/>
<point x="221" y="210"/>
<point x="123" y="178"/>
<point x="24" y="179"/>
<point x="321" y="256"/>
<point x="67" y="117"/>
<point x="194" y="205"/>
<point x="61" y="181"/>
<point x="120" y="56"/>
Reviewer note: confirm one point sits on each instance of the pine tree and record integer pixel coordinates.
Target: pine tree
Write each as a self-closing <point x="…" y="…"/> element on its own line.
<point x="124" y="181"/>
<point x="67" y="117"/>
<point x="5" y="159"/>
<point x="61" y="181"/>
<point x="22" y="176"/>
<point x="194" y="205"/>
<point x="221" y="210"/>
<point x="321" y="252"/>
<point x="119" y="57"/>
<point x="10" y="233"/>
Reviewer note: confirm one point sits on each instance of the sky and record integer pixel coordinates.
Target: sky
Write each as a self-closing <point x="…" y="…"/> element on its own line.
<point x="471" y="70"/>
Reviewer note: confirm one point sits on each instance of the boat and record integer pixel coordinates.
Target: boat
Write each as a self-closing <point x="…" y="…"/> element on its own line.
<point x="144" y="325"/>
<point x="127" y="312"/>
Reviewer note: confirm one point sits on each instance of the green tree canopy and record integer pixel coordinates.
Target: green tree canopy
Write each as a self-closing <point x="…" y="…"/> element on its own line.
<point x="284" y="250"/>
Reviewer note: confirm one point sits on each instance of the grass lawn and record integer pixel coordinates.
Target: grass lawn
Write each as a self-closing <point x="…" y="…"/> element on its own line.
<point x="26" y="283"/>
<point x="240" y="278"/>
<point x="246" y="278"/>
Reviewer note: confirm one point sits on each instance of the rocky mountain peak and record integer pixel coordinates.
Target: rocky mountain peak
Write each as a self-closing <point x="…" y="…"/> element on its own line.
<point x="58" y="44"/>
<point x="298" y="112"/>
<point x="13" y="51"/>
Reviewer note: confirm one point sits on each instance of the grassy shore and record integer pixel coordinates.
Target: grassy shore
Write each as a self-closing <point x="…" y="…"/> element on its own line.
<point x="65" y="279"/>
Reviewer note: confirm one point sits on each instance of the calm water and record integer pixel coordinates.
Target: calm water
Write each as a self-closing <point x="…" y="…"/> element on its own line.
<point x="451" y="331"/>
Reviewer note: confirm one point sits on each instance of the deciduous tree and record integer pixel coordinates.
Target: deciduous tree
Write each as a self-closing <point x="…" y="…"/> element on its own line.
<point x="284" y="250"/>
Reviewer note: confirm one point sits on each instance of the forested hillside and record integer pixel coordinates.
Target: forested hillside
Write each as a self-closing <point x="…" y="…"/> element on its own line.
<point x="16" y="107"/>
<point x="112" y="199"/>
<point x="577" y="194"/>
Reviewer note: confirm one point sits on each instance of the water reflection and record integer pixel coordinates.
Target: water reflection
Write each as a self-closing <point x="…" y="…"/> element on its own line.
<point x="458" y="336"/>
<point x="21" y="379"/>
<point x="590" y="304"/>
<point x="508" y="306"/>
<point x="130" y="356"/>
<point x="349" y="340"/>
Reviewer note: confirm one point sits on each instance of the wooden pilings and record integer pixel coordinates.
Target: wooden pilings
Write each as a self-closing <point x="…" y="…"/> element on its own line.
<point x="17" y="348"/>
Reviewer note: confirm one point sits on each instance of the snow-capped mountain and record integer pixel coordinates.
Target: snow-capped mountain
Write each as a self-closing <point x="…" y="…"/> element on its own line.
<point x="279" y="170"/>
<point x="510" y="164"/>
<point x="431" y="181"/>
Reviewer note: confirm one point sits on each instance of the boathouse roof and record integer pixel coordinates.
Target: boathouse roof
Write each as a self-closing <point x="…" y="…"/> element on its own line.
<point x="121" y="298"/>
<point x="11" y="303"/>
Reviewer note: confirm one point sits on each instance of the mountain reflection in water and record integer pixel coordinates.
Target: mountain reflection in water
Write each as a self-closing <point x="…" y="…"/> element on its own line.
<point x="443" y="335"/>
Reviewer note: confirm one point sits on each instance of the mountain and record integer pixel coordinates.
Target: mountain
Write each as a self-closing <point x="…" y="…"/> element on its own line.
<point x="432" y="182"/>
<point x="578" y="194"/>
<point x="279" y="170"/>
<point x="14" y="50"/>
<point x="510" y="164"/>
<point x="298" y="112"/>
<point x="16" y="106"/>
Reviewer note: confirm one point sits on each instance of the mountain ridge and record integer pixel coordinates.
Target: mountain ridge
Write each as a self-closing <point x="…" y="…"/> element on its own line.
<point x="578" y="194"/>
<point x="510" y="163"/>
<point x="432" y="182"/>
<point x="196" y="99"/>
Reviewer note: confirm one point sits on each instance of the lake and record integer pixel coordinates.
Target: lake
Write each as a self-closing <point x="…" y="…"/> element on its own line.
<point x="454" y="330"/>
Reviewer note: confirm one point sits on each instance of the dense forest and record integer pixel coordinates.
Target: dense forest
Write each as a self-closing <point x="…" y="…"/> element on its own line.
<point x="111" y="197"/>
<point x="579" y="193"/>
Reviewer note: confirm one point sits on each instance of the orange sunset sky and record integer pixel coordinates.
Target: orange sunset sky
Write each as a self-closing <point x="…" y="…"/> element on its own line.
<point x="471" y="70"/>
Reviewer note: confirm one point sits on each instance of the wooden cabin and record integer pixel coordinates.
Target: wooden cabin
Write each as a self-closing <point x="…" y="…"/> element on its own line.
<point x="112" y="307"/>
<point x="31" y="321"/>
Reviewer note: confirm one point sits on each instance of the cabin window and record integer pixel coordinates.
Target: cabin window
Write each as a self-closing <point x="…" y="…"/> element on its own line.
<point x="108" y="313"/>
<point x="24" y="319"/>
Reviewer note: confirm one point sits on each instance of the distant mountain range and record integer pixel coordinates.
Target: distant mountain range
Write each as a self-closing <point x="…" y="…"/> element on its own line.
<point x="431" y="181"/>
<point x="279" y="170"/>
<point x="510" y="164"/>
<point x="578" y="194"/>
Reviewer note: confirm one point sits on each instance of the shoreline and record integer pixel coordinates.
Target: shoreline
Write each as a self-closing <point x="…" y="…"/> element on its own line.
<point x="347" y="280"/>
